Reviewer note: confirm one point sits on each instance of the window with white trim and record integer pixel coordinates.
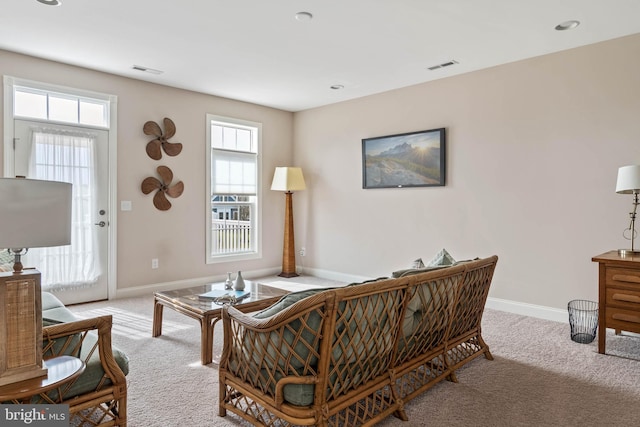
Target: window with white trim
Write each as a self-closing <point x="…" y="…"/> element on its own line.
<point x="41" y="104"/>
<point x="233" y="189"/>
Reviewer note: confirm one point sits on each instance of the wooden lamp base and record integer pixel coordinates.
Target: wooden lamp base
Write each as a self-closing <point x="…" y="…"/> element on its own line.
<point x="288" y="251"/>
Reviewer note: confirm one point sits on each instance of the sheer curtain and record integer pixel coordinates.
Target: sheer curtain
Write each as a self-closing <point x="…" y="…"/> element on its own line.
<point x="68" y="156"/>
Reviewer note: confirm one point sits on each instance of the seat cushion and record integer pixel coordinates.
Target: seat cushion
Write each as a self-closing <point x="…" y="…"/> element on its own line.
<point x="287" y="301"/>
<point x="50" y="301"/>
<point x="351" y="348"/>
<point x="300" y="348"/>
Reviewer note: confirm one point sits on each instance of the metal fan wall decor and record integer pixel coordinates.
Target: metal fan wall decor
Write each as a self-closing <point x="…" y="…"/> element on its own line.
<point x="163" y="188"/>
<point x="161" y="141"/>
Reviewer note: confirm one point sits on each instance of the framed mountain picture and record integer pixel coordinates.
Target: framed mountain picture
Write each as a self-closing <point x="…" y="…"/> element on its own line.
<point x="415" y="159"/>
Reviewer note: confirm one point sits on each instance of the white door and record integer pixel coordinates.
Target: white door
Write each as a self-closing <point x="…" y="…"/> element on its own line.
<point x="78" y="272"/>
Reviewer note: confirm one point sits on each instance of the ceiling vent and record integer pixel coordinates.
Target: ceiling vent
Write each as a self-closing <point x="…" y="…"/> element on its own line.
<point x="146" y="69"/>
<point x="444" y="64"/>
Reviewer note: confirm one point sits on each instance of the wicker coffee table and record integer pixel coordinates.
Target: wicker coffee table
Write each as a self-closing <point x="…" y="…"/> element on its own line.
<point x="208" y="312"/>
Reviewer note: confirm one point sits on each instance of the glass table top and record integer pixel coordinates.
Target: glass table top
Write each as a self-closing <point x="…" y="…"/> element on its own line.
<point x="191" y="297"/>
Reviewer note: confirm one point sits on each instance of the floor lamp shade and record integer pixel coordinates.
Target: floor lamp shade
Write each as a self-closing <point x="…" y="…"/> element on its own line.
<point x="288" y="179"/>
<point x="33" y="214"/>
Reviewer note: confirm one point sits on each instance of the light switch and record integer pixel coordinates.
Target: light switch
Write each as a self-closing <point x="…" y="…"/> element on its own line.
<point x="125" y="205"/>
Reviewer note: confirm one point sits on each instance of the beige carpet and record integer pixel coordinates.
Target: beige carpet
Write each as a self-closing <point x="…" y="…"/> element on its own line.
<point x="539" y="376"/>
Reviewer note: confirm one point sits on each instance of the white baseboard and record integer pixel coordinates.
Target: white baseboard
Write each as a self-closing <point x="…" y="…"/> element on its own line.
<point x="515" y="307"/>
<point x="525" y="309"/>
<point x="332" y="275"/>
<point x="149" y="289"/>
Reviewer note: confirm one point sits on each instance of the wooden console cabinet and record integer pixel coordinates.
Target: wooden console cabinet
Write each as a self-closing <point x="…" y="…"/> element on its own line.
<point x="619" y="294"/>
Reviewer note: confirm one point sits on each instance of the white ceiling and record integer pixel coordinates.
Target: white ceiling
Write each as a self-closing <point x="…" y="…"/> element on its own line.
<point x="256" y="51"/>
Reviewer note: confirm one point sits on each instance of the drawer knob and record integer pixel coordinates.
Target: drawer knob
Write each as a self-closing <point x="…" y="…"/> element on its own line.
<point x="626" y="278"/>
<point x="626" y="318"/>
<point x="626" y="298"/>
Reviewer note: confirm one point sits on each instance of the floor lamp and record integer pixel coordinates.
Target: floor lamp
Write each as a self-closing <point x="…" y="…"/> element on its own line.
<point x="288" y="179"/>
<point x="33" y="214"/>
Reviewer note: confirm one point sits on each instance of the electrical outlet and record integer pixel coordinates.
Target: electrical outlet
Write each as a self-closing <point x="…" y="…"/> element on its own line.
<point x="302" y="251"/>
<point x="154" y="263"/>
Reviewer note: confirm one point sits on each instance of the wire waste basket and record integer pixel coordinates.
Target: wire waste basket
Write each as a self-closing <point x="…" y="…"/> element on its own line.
<point x="583" y="319"/>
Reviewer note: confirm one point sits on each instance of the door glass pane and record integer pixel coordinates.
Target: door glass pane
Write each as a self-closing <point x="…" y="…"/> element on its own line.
<point x="67" y="157"/>
<point x="92" y="113"/>
<point x="63" y="109"/>
<point x="27" y="104"/>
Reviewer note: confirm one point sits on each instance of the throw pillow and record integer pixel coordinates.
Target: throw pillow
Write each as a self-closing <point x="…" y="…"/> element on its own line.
<point x="442" y="258"/>
<point x="418" y="263"/>
<point x="6" y="260"/>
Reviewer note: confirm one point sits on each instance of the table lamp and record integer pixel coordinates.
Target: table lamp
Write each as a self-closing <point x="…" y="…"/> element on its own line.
<point x="629" y="183"/>
<point x="288" y="179"/>
<point x="33" y="214"/>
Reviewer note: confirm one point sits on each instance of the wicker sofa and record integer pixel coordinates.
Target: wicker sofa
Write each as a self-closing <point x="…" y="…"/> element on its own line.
<point x="353" y="355"/>
<point x="99" y="395"/>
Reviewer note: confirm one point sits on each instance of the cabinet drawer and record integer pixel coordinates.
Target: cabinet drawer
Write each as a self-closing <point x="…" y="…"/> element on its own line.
<point x="623" y="277"/>
<point x="627" y="320"/>
<point x="624" y="298"/>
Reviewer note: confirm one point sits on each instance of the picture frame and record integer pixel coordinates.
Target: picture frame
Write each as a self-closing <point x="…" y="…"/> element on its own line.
<point x="413" y="159"/>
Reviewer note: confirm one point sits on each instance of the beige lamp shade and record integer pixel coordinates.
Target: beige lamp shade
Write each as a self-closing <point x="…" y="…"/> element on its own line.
<point x="34" y="213"/>
<point x="628" y="179"/>
<point x="288" y="179"/>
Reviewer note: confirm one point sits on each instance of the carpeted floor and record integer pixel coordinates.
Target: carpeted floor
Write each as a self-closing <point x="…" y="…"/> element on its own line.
<point x="539" y="376"/>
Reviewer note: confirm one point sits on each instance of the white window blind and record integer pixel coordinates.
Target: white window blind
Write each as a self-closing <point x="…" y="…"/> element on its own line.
<point x="233" y="173"/>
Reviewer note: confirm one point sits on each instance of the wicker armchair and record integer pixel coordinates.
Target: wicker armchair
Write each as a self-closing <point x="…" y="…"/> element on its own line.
<point x="99" y="395"/>
<point x="353" y="355"/>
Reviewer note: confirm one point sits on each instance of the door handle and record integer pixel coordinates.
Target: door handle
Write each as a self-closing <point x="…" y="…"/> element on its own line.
<point x="101" y="223"/>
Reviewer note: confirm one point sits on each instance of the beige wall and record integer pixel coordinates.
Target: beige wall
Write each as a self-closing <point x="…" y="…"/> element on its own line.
<point x="176" y="237"/>
<point x="533" y="149"/>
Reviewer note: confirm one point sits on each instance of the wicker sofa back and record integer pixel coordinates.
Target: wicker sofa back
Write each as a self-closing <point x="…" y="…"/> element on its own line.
<point x="353" y="355"/>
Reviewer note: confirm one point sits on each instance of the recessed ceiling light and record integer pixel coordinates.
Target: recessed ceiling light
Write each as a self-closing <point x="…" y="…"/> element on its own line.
<point x="336" y="87"/>
<point x="567" y="25"/>
<point x="50" y="2"/>
<point x="304" y="16"/>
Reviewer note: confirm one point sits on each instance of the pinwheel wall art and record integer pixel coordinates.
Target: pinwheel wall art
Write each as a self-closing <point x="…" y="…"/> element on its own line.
<point x="161" y="141"/>
<point x="154" y="149"/>
<point x="163" y="187"/>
